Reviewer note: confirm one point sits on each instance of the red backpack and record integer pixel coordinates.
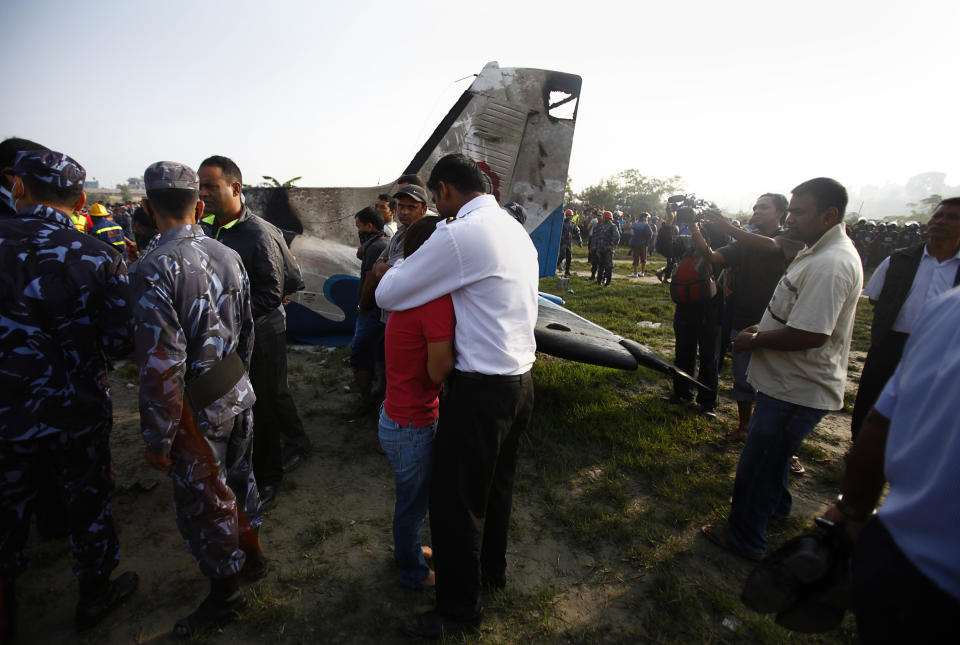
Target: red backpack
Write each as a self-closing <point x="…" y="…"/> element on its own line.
<point x="692" y="280"/>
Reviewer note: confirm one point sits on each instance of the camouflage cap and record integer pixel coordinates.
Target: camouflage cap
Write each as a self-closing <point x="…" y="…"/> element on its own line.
<point x="54" y="168"/>
<point x="517" y="211"/>
<point x="414" y="191"/>
<point x="170" y="174"/>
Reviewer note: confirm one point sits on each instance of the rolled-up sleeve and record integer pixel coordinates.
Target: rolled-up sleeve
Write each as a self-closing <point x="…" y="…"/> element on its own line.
<point x="434" y="270"/>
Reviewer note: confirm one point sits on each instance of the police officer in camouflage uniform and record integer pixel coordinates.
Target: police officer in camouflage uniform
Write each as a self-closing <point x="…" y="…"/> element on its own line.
<point x="194" y="339"/>
<point x="568" y="231"/>
<point x="607" y="238"/>
<point x="64" y="313"/>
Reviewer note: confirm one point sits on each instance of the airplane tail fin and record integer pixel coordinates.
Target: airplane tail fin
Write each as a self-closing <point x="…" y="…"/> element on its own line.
<point x="517" y="124"/>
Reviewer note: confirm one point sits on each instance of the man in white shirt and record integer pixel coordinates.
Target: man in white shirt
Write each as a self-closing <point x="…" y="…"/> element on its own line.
<point x="485" y="260"/>
<point x="387" y="207"/>
<point x="899" y="287"/>
<point x="799" y="361"/>
<point x="906" y="564"/>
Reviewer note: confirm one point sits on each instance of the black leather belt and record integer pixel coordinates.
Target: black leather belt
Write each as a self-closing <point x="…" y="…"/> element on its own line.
<point x="204" y="390"/>
<point x="496" y="378"/>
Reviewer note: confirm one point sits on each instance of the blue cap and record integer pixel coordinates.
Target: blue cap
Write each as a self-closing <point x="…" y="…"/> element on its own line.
<point x="50" y="167"/>
<point x="170" y="174"/>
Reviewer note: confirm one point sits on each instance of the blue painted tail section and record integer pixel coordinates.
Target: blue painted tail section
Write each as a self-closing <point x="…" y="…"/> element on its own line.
<point x="307" y="326"/>
<point x="546" y="238"/>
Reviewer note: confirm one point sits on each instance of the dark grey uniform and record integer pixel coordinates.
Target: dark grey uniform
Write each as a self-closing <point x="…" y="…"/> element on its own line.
<point x="607" y="238"/>
<point x="192" y="308"/>
<point x="568" y="231"/>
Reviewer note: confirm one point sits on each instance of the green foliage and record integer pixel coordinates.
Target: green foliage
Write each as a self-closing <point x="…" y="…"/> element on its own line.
<point x="631" y="192"/>
<point x="924" y="208"/>
<point x="272" y="182"/>
<point x="569" y="197"/>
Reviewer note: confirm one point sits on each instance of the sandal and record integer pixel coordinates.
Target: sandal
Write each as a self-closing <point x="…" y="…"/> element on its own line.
<point x="423" y="585"/>
<point x="720" y="536"/>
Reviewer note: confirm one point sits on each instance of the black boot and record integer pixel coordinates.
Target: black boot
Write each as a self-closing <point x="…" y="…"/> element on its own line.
<point x="364" y="404"/>
<point x="256" y="565"/>
<point x="100" y="596"/>
<point x="216" y="610"/>
<point x="8" y="611"/>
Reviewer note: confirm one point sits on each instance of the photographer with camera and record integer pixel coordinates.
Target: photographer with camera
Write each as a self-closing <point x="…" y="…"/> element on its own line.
<point x="693" y="287"/>
<point x="757" y="272"/>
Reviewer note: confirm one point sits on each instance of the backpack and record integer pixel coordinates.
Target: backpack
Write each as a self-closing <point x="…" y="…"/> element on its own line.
<point x="692" y="280"/>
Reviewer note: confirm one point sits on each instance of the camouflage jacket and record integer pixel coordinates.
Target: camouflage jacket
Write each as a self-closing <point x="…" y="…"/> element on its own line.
<point x="607" y="236"/>
<point x="191" y="308"/>
<point x="569" y="231"/>
<point x="64" y="313"/>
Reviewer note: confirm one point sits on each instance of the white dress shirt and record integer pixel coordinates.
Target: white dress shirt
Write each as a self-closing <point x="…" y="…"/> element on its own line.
<point x="933" y="278"/>
<point x="487" y="263"/>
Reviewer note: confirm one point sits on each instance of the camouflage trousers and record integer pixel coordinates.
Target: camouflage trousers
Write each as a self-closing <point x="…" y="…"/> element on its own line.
<point x="605" y="272"/>
<point x="82" y="476"/>
<point x="215" y="494"/>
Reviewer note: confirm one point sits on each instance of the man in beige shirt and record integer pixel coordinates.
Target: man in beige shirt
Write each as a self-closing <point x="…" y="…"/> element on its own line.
<point x="799" y="361"/>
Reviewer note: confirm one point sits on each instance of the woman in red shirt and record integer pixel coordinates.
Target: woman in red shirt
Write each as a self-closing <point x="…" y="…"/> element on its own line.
<point x="419" y="356"/>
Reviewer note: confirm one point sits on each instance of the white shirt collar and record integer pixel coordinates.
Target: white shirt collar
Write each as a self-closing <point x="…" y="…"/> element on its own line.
<point x="827" y="238"/>
<point x="927" y="254"/>
<point x="478" y="202"/>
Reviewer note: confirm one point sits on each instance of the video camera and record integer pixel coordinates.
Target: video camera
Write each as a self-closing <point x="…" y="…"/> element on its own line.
<point x="688" y="208"/>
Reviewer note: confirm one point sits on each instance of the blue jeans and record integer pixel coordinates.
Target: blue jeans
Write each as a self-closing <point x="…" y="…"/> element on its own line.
<point x="742" y="390"/>
<point x="410" y="451"/>
<point x="367" y="337"/>
<point x="760" y="492"/>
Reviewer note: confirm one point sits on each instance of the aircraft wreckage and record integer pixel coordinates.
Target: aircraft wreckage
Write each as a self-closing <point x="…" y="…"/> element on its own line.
<point x="518" y="125"/>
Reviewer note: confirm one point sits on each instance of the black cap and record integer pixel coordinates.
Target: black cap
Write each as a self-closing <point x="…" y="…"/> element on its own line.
<point x="412" y="190"/>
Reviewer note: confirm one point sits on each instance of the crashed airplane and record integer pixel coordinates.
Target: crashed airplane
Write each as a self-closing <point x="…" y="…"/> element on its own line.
<point x="518" y="124"/>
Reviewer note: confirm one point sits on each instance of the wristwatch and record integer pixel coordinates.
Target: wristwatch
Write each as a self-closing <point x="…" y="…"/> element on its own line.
<point x="851" y="511"/>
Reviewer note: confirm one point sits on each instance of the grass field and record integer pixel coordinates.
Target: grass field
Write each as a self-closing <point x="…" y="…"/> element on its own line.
<point x="627" y="474"/>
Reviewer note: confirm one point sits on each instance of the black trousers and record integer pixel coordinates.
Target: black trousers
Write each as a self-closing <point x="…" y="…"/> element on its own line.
<point x="893" y="601"/>
<point x="566" y="254"/>
<point x="481" y="421"/>
<point x="695" y="332"/>
<point x="606" y="266"/>
<point x="882" y="360"/>
<point x="275" y="417"/>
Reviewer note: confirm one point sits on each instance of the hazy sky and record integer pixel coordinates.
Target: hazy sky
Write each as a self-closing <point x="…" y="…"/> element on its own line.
<point x="738" y="98"/>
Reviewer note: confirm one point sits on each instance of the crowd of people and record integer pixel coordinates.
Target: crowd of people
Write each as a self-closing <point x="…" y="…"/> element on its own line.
<point x="783" y="290"/>
<point x="448" y="301"/>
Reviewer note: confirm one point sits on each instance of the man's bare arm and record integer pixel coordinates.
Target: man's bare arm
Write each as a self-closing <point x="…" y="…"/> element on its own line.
<point x="750" y="240"/>
<point x="708" y="254"/>
<point x="368" y="295"/>
<point x="863" y="477"/>
<point x="440" y="360"/>
<point x="787" y="339"/>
